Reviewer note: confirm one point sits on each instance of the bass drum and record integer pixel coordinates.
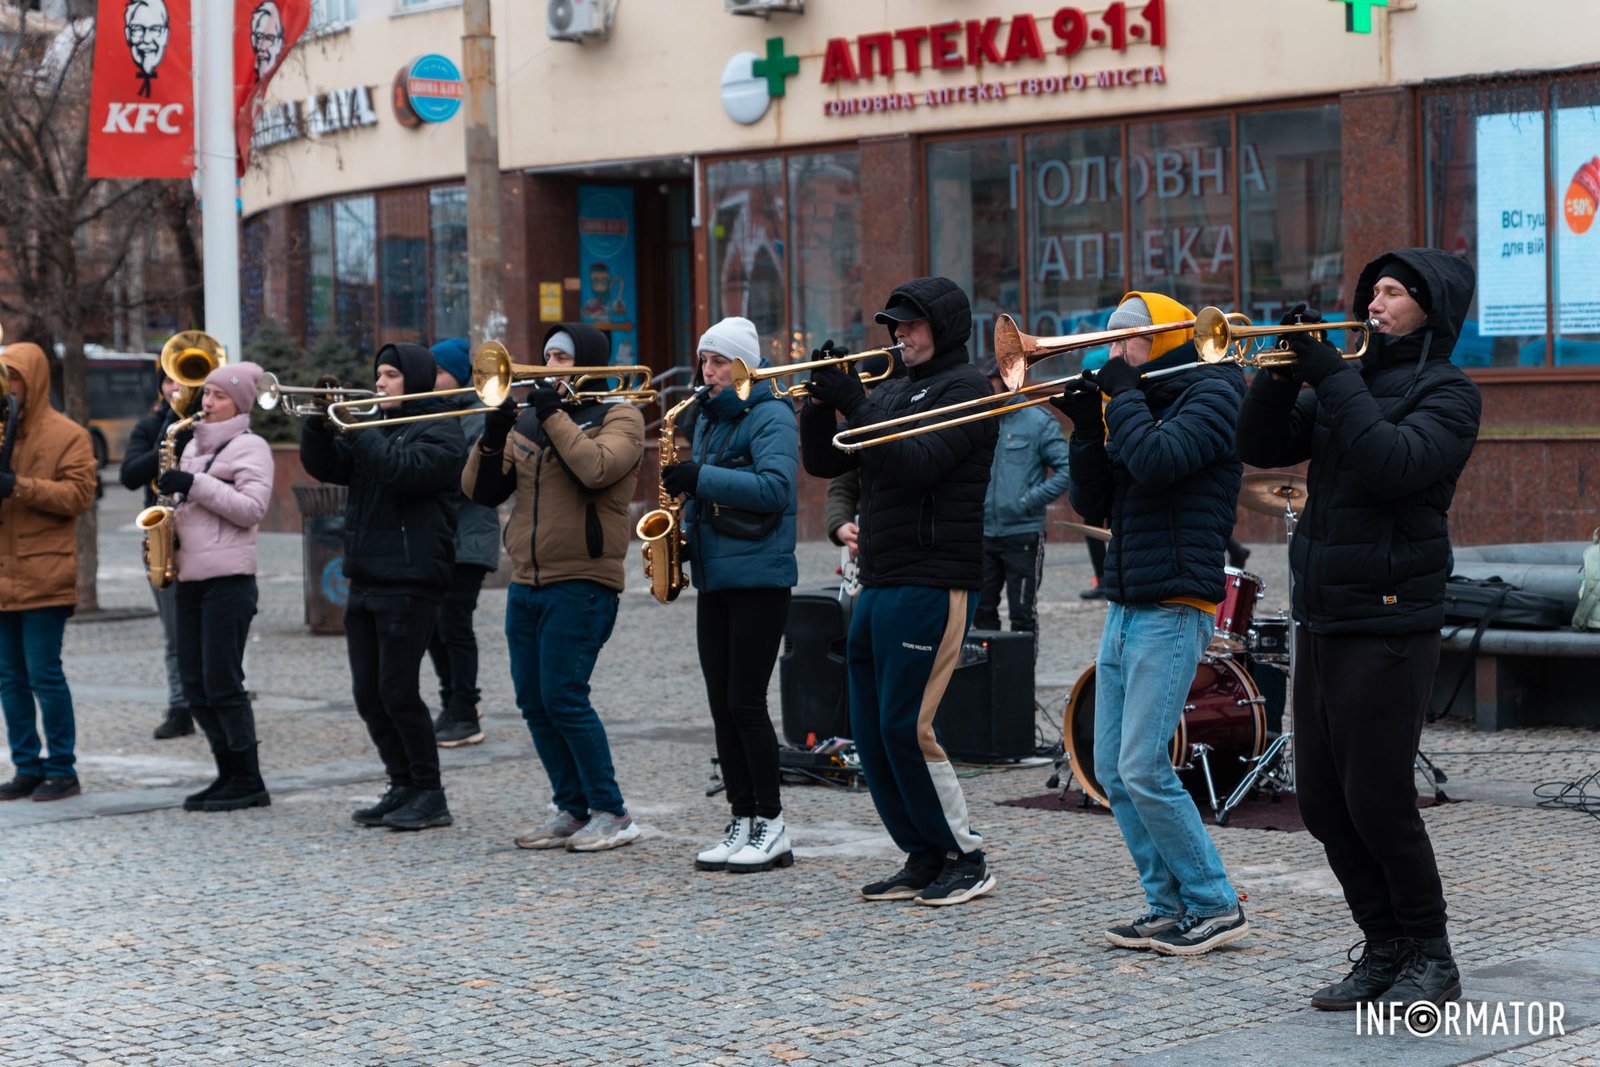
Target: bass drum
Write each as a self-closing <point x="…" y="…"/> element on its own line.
<point x="1224" y="711"/>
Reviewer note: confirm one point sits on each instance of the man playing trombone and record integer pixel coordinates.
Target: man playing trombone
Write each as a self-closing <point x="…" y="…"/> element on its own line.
<point x="920" y="540"/>
<point x="1157" y="457"/>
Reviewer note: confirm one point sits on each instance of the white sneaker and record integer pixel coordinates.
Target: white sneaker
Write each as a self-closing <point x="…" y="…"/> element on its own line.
<point x="734" y="838"/>
<point x="768" y="848"/>
<point x="603" y="831"/>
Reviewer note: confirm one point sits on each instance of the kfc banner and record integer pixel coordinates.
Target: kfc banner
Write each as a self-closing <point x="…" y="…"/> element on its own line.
<point x="263" y="33"/>
<point x="141" y="119"/>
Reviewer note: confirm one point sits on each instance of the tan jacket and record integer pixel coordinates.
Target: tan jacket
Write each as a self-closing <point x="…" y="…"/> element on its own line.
<point x="54" y="464"/>
<point x="570" y="520"/>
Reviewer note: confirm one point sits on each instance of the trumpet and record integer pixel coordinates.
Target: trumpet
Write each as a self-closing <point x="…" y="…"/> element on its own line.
<point x="744" y="376"/>
<point x="1221" y="341"/>
<point x="493" y="378"/>
<point x="187" y="358"/>
<point x="272" y="394"/>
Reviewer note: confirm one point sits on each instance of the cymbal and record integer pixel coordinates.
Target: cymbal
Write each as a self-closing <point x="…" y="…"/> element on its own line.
<point x="1099" y="533"/>
<point x="1273" y="491"/>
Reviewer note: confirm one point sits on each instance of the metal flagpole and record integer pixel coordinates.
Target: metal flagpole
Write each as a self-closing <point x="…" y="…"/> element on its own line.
<point x="216" y="162"/>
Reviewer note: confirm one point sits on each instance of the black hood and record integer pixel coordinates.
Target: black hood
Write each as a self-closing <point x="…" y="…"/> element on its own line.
<point x="1450" y="281"/>
<point x="415" y="363"/>
<point x="944" y="304"/>
<point x="593" y="346"/>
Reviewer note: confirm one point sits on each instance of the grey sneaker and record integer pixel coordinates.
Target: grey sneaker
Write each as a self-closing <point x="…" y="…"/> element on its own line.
<point x="1142" y="931"/>
<point x="603" y="830"/>
<point x="554" y="832"/>
<point x="1195" y="934"/>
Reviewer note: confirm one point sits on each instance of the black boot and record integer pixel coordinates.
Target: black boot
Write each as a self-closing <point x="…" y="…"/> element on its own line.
<point x="1371" y="977"/>
<point x="1427" y="973"/>
<point x="395" y="797"/>
<point x="196" y="801"/>
<point x="425" y="808"/>
<point x="178" y="723"/>
<point x="244" y="788"/>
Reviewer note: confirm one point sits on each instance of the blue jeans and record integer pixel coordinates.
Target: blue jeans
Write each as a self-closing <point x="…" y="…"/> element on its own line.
<point x="1147" y="662"/>
<point x="554" y="634"/>
<point x="30" y="669"/>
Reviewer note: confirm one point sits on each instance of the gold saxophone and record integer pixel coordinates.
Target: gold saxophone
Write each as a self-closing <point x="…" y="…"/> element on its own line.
<point x="160" y="534"/>
<point x="661" y="530"/>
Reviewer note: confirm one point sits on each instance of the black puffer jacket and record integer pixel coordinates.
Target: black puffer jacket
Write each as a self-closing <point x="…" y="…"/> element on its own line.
<point x="1168" y="476"/>
<point x="400" y="520"/>
<point x="141" y="459"/>
<point x="1386" y="446"/>
<point x="921" y="505"/>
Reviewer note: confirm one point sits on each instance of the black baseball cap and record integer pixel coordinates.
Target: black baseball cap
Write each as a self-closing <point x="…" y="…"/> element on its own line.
<point x="899" y="309"/>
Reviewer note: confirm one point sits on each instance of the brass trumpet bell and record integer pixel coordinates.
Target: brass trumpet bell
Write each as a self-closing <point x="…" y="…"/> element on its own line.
<point x="1219" y="340"/>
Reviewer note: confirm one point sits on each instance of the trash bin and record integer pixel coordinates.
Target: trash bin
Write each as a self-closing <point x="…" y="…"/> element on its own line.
<point x="322" y="528"/>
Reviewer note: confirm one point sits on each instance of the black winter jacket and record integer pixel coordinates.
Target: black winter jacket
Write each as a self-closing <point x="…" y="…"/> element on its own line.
<point x="1386" y="445"/>
<point x="141" y="459"/>
<point x="1168" y="477"/>
<point x="400" y="519"/>
<point x="921" y="504"/>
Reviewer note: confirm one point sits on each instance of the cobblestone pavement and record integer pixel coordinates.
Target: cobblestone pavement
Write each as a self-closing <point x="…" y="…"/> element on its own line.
<point x="137" y="933"/>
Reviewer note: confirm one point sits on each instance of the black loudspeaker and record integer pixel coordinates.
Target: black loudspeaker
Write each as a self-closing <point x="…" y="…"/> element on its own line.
<point x="811" y="668"/>
<point x="987" y="714"/>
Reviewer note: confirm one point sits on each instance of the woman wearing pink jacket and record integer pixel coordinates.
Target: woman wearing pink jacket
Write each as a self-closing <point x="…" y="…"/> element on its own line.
<point x="224" y="483"/>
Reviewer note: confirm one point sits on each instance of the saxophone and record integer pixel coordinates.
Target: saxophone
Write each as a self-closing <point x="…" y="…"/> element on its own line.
<point x="160" y="533"/>
<point x="661" y="530"/>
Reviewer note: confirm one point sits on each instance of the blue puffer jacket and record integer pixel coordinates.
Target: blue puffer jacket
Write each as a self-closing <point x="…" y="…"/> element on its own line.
<point x="749" y="456"/>
<point x="1168" y="475"/>
<point x="1019" y="489"/>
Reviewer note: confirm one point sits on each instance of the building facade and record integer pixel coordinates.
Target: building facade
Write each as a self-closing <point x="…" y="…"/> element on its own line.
<point x="678" y="162"/>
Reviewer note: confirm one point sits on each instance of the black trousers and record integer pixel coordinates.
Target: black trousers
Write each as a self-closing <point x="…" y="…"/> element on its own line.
<point x="454" y="647"/>
<point x="386" y="636"/>
<point x="212" y="626"/>
<point x="1359" y="703"/>
<point x="739" y="631"/>
<point x="1014" y="563"/>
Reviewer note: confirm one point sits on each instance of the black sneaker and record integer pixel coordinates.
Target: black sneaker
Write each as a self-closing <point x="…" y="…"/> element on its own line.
<point x="424" y="808"/>
<point x="57" y="789"/>
<point x="457" y="732"/>
<point x="1196" y="934"/>
<point x="1374" y="972"/>
<point x="903" y="884"/>
<point x="1142" y="931"/>
<point x="178" y="723"/>
<point x="962" y="879"/>
<point x="1427" y="973"/>
<point x="1094" y="592"/>
<point x="23" y="785"/>
<point x="394" y="797"/>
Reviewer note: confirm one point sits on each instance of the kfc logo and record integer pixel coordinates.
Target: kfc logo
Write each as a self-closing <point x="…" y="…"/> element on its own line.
<point x="145" y="27"/>
<point x="266" y="38"/>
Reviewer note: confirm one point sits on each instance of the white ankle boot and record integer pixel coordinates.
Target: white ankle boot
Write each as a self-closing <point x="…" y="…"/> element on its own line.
<point x="768" y="848"/>
<point x="734" y="838"/>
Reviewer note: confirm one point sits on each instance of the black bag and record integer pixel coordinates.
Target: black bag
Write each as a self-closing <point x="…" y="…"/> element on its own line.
<point x="1496" y="602"/>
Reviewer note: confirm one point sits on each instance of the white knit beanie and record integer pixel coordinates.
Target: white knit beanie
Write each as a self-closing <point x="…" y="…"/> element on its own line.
<point x="562" y="341"/>
<point x="735" y="338"/>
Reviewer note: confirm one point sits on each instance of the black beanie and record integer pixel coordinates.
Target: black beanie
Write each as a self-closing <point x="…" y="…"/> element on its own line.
<point x="1407" y="275"/>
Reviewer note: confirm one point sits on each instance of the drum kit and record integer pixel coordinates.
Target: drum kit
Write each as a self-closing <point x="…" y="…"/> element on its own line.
<point x="1223" y="748"/>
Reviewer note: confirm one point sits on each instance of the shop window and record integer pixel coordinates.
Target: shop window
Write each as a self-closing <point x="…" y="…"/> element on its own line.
<point x="746" y="246"/>
<point x="1574" y="229"/>
<point x="1290" y="245"/>
<point x="1180" y="191"/>
<point x="825" y="282"/>
<point x="972" y="227"/>
<point x="403" y="266"/>
<point x="319" y="272"/>
<point x="447" y="228"/>
<point x="342" y="276"/>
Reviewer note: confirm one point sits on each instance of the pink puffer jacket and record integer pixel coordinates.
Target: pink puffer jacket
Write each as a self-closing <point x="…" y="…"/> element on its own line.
<point x="217" y="518"/>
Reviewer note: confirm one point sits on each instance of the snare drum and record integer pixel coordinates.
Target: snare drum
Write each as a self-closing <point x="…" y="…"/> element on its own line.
<point x="1269" y="639"/>
<point x="1241" y="590"/>
<point x="1224" y="711"/>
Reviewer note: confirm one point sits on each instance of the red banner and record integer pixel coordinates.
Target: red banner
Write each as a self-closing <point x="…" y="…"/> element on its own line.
<point x="263" y="33"/>
<point x="141" y="118"/>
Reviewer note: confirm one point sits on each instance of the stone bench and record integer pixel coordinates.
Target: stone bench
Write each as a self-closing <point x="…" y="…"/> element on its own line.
<point x="1522" y="678"/>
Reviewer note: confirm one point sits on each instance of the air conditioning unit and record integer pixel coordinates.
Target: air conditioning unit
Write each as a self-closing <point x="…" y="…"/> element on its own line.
<point x="576" y="20"/>
<point x="763" y="8"/>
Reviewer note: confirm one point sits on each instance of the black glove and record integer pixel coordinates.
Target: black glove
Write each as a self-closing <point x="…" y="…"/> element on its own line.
<point x="497" y="424"/>
<point x="679" y="479"/>
<point x="837" y="388"/>
<point x="1314" y="359"/>
<point x="172" y="482"/>
<point x="545" y="402"/>
<point x="1081" y="403"/>
<point x="1299" y="314"/>
<point x="8" y="483"/>
<point x="1115" y="377"/>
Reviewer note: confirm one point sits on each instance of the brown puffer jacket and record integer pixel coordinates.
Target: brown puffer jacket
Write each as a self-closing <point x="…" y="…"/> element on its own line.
<point x="54" y="464"/>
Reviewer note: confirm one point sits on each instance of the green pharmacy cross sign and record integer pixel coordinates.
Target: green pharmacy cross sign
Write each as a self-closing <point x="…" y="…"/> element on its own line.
<point x="1358" y="14"/>
<point x="776" y="68"/>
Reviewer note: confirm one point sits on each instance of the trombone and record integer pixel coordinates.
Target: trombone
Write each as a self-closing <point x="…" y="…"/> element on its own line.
<point x="1015" y="351"/>
<point x="187" y="358"/>
<point x="272" y="394"/>
<point x="493" y="378"/>
<point x="1220" y="341"/>
<point x="744" y="376"/>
